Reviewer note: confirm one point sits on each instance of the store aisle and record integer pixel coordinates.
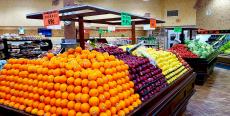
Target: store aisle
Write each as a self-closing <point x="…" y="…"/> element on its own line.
<point x="213" y="98"/>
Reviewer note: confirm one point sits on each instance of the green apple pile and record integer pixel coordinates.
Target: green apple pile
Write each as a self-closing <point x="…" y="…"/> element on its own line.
<point x="226" y="48"/>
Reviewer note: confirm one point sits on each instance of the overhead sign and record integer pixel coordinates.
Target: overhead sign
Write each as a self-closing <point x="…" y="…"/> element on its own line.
<point x="100" y="31"/>
<point x="51" y="18"/>
<point x="153" y="23"/>
<point x="177" y="29"/>
<point x="125" y="19"/>
<point x="111" y="28"/>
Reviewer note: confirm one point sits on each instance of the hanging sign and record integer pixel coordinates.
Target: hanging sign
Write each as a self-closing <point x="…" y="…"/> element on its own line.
<point x="111" y="28"/>
<point x="100" y="31"/>
<point x="125" y="19"/>
<point x="177" y="29"/>
<point x="51" y="18"/>
<point x="153" y="23"/>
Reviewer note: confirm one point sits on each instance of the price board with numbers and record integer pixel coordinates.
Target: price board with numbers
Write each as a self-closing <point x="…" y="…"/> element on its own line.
<point x="125" y="19"/>
<point x="51" y="18"/>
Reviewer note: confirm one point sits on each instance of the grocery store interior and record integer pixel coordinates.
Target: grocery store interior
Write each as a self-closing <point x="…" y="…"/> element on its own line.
<point x="115" y="57"/>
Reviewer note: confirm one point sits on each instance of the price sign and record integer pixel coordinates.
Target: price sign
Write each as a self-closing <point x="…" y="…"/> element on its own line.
<point x="100" y="31"/>
<point x="153" y="23"/>
<point x="125" y="19"/>
<point x="51" y="18"/>
<point x="177" y="29"/>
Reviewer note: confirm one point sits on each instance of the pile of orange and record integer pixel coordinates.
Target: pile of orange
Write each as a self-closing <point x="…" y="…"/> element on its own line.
<point x="77" y="82"/>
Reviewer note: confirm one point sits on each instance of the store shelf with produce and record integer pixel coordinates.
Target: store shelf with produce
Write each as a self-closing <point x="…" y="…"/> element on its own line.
<point x="170" y="101"/>
<point x="25" y="44"/>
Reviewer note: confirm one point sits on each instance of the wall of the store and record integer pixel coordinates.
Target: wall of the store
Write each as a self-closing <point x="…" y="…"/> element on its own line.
<point x="186" y="12"/>
<point x="13" y="12"/>
<point x="213" y="14"/>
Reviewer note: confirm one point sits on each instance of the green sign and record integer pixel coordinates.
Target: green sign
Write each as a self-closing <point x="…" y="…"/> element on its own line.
<point x="125" y="19"/>
<point x="178" y="29"/>
<point x="100" y="31"/>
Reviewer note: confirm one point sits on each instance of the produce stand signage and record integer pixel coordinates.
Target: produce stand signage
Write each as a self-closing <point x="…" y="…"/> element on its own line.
<point x="51" y="18"/>
<point x="125" y="19"/>
<point x="153" y="23"/>
<point x="177" y="29"/>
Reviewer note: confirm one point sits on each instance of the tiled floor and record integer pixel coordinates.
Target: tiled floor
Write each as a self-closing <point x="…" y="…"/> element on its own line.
<point x="213" y="98"/>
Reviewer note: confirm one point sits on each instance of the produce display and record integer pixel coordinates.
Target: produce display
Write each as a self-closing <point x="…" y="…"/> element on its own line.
<point x="226" y="48"/>
<point x="148" y="79"/>
<point x="202" y="49"/>
<point x="168" y="62"/>
<point x="77" y="82"/>
<point x="183" y="51"/>
<point x="2" y="63"/>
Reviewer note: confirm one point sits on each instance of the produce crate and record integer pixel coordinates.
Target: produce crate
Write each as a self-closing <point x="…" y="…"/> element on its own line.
<point x="203" y="67"/>
<point x="170" y="101"/>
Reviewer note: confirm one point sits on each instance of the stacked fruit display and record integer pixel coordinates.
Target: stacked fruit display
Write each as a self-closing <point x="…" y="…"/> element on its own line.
<point x="183" y="51"/>
<point x="77" y="82"/>
<point x="226" y="48"/>
<point x="148" y="79"/>
<point x="202" y="49"/>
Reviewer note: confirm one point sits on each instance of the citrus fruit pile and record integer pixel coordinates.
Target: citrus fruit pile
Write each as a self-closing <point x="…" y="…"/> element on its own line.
<point x="77" y="82"/>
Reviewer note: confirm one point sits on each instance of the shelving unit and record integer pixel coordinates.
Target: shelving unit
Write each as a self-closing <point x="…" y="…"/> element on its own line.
<point x="37" y="50"/>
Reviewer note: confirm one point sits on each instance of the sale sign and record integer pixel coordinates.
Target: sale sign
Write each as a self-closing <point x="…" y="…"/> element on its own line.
<point x="51" y="18"/>
<point x="153" y="23"/>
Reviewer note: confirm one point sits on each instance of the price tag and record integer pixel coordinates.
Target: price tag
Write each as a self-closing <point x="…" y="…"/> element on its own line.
<point x="125" y="19"/>
<point x="100" y="31"/>
<point x="51" y="18"/>
<point x="153" y="23"/>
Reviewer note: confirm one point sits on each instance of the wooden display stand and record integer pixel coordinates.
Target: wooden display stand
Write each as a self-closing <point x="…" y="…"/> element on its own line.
<point x="170" y="101"/>
<point x="224" y="59"/>
<point x="203" y="67"/>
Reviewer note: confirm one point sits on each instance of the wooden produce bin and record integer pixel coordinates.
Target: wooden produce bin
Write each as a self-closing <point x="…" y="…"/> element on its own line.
<point x="223" y="59"/>
<point x="203" y="67"/>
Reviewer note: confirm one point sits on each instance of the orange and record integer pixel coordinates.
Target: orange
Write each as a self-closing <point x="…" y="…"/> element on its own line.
<point x="100" y="89"/>
<point x="84" y="82"/>
<point x="78" y="97"/>
<point x="34" y="111"/>
<point x="78" y="82"/>
<point x="103" y="114"/>
<point x="121" y="113"/>
<point x="70" y="88"/>
<point x="59" y="111"/>
<point x="52" y="93"/>
<point x="107" y="95"/>
<point x="113" y="101"/>
<point x="93" y="92"/>
<point x="70" y="81"/>
<point x="108" y="104"/>
<point x="102" y="107"/>
<point x="85" y="107"/>
<point x="70" y="105"/>
<point x="77" y="74"/>
<point x="46" y="92"/>
<point x="127" y="102"/>
<point x="41" y="106"/>
<point x="35" y="104"/>
<point x="53" y="109"/>
<point x="63" y="87"/>
<point x="113" y="92"/>
<point x="95" y="65"/>
<point x="94" y="111"/>
<point x="77" y="107"/>
<point x="57" y="86"/>
<point x="100" y="81"/>
<point x="106" y="87"/>
<point x="113" y="110"/>
<point x="85" y="90"/>
<point x="78" y="49"/>
<point x="126" y="110"/>
<point x="84" y="74"/>
<point x="65" y="112"/>
<point x="52" y="101"/>
<point x="58" y="94"/>
<point x="71" y="96"/>
<point x="77" y="89"/>
<point x="64" y="102"/>
<point x="108" y="112"/>
<point x="92" y="76"/>
<point x="84" y="98"/>
<point x="47" y="108"/>
<point x="93" y="101"/>
<point x="101" y="98"/>
<point x="71" y="113"/>
<point x="92" y="84"/>
<point x="22" y="107"/>
<point x="40" y="113"/>
<point x="64" y="95"/>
